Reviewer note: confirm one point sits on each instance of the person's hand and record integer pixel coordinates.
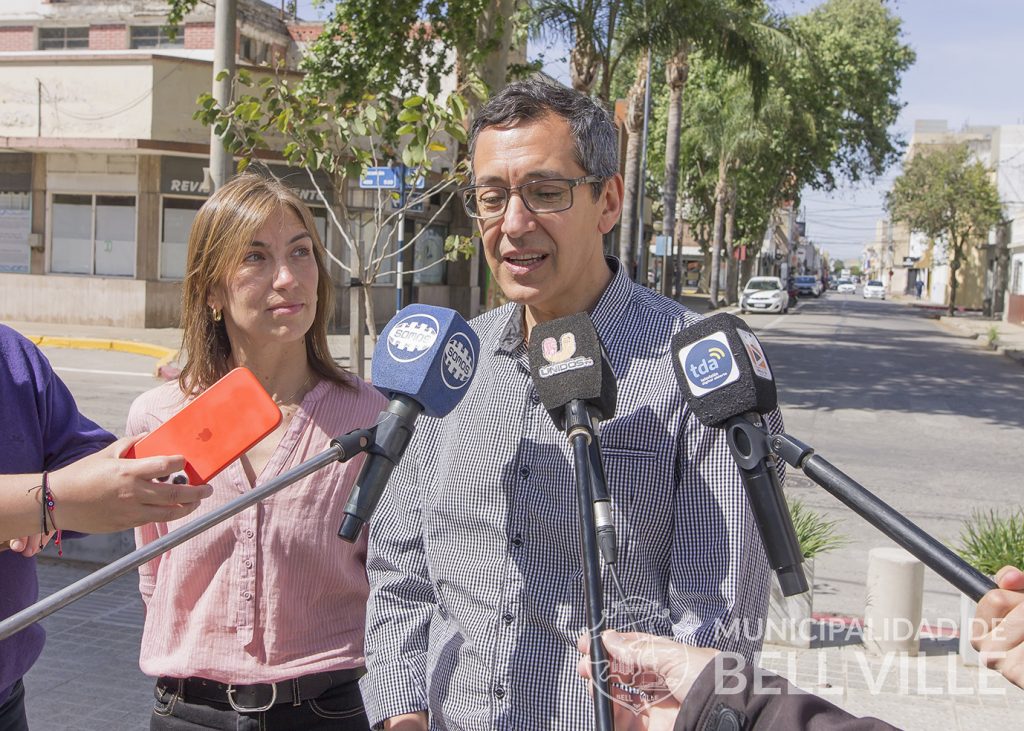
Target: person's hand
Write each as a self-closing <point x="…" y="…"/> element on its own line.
<point x="103" y="493"/>
<point x="662" y="669"/>
<point x="997" y="632"/>
<point x="407" y="722"/>
<point x="29" y="546"/>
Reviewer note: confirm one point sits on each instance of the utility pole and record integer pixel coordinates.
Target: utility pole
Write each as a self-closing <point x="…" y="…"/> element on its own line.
<point x="226" y="11"/>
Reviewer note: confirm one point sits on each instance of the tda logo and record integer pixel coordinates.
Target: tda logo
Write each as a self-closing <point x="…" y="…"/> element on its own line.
<point x="559" y="354"/>
<point x="708" y="364"/>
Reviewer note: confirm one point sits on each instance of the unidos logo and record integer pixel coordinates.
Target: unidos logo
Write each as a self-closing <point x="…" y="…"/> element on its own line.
<point x="559" y="354"/>
<point x="412" y="337"/>
<point x="558" y="351"/>
<point x="458" y="361"/>
<point x="709" y="364"/>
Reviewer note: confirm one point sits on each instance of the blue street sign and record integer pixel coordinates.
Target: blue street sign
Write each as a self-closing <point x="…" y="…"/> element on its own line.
<point x="379" y="177"/>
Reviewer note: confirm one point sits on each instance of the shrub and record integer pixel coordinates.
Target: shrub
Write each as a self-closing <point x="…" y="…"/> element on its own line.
<point x="816" y="533"/>
<point x="990" y="541"/>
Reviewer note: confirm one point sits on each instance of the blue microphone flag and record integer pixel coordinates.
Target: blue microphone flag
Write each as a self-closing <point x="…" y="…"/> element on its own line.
<point x="428" y="354"/>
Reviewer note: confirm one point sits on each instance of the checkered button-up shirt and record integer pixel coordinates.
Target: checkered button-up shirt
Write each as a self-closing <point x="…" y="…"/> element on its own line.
<point x="475" y="563"/>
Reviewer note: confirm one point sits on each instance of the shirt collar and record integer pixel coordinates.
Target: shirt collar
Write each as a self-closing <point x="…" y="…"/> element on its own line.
<point x="606" y="314"/>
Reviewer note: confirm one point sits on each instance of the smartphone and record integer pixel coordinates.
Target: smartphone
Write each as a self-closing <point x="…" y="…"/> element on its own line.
<point x="215" y="428"/>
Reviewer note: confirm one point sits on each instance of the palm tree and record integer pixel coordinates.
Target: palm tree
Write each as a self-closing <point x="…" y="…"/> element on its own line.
<point x="591" y="27"/>
<point x="632" y="182"/>
<point x="739" y="33"/>
<point x="676" y="70"/>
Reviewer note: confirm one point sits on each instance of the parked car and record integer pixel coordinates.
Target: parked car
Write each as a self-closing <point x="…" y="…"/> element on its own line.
<point x="846" y="287"/>
<point x="808" y="284"/>
<point x="764" y="294"/>
<point x="874" y="288"/>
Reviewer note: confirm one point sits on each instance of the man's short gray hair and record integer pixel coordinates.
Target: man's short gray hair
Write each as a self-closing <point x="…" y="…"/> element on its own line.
<point x="596" y="145"/>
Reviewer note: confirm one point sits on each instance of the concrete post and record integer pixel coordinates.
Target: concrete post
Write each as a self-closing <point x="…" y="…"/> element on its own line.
<point x="225" y="16"/>
<point x="895" y="587"/>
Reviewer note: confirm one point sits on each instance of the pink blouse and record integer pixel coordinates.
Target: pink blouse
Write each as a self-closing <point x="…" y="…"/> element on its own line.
<point x="271" y="593"/>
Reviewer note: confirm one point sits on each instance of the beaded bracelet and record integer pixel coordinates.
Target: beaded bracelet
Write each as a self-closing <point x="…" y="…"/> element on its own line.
<point x="48" y="504"/>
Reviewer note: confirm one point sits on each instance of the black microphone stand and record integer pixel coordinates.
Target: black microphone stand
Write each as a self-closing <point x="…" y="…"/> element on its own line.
<point x="749" y="442"/>
<point x="887" y="519"/>
<point x="342" y="449"/>
<point x="579" y="429"/>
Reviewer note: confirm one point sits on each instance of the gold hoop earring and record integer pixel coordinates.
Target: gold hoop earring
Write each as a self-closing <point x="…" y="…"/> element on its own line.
<point x="216" y="314"/>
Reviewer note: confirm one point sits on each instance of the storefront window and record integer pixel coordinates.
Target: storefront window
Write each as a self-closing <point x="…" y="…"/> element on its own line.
<point x="15" y="225"/>
<point x="177" y="217"/>
<point x="93" y="235"/>
<point x="429" y="253"/>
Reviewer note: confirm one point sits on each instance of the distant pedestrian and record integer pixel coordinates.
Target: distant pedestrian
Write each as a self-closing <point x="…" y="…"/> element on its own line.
<point x="919" y="286"/>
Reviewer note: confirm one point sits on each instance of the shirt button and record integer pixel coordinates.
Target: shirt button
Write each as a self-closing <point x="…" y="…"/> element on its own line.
<point x="499" y="692"/>
<point x="535" y="397"/>
<point x="517" y="540"/>
<point x="248" y="533"/>
<point x="247" y="595"/>
<point x="247" y="563"/>
<point x="507" y="616"/>
<point x="524" y="471"/>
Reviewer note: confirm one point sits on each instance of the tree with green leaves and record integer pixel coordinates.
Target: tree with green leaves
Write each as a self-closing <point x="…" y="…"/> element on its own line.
<point x="847" y="88"/>
<point x="370" y="94"/>
<point x="950" y="198"/>
<point x="592" y="27"/>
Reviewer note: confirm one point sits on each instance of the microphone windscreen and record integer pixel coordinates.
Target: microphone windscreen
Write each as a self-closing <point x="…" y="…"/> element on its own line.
<point x="568" y="363"/>
<point x="722" y="369"/>
<point x="428" y="354"/>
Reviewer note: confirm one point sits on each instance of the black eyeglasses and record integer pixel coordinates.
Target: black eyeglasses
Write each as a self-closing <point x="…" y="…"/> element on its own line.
<point x="551" y="195"/>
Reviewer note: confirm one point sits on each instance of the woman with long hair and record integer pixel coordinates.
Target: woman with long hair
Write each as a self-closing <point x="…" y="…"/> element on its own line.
<point x="258" y="622"/>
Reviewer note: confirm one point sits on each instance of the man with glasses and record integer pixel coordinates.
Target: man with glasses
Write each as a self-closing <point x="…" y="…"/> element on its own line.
<point x="474" y="560"/>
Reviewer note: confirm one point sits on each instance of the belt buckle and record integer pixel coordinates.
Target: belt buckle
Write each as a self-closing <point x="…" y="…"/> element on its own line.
<point x="256" y="709"/>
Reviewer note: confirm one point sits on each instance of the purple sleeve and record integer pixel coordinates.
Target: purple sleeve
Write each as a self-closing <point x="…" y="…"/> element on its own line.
<point x="67" y="434"/>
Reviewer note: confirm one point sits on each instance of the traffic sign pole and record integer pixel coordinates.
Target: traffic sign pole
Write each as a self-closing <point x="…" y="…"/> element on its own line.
<point x="401" y="235"/>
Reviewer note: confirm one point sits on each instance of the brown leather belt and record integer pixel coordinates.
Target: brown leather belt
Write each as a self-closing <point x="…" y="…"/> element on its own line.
<point x="259" y="696"/>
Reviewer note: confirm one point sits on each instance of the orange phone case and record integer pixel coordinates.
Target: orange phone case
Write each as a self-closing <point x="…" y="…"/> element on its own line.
<point x="215" y="428"/>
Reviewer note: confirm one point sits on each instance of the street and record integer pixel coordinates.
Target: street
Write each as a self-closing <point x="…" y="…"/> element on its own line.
<point x="923" y="419"/>
<point x="920" y="417"/>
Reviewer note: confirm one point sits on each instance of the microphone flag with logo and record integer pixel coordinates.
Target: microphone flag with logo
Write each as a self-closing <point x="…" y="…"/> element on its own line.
<point x="722" y="369"/>
<point x="569" y="364"/>
<point x="424" y="361"/>
<point x="727" y="382"/>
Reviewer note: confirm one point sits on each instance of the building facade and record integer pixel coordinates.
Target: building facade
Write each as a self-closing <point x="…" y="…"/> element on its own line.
<point x="102" y="167"/>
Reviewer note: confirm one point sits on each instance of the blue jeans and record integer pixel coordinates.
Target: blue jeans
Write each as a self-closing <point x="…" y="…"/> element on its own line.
<point x="338" y="707"/>
<point x="12" y="710"/>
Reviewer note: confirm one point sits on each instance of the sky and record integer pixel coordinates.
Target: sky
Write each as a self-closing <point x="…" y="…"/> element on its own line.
<point x="968" y="72"/>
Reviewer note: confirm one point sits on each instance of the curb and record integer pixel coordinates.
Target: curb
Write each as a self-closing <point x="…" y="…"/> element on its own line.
<point x="163" y="355"/>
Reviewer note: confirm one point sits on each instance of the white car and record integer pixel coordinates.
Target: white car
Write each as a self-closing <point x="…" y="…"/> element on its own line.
<point x="873" y="289"/>
<point x="764" y="294"/>
<point x="845" y="286"/>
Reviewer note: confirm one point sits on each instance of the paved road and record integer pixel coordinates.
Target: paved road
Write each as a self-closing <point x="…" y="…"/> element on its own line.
<point x="104" y="382"/>
<point x="922" y="418"/>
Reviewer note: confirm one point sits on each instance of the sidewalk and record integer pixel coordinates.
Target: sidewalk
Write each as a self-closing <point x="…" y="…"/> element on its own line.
<point x="1001" y="337"/>
<point x="88" y="678"/>
<point x="160" y="343"/>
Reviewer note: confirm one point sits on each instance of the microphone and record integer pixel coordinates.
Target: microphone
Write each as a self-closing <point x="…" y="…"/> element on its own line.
<point x="423" y="362"/>
<point x="727" y="382"/>
<point x="575" y="382"/>
<point x="571" y="371"/>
